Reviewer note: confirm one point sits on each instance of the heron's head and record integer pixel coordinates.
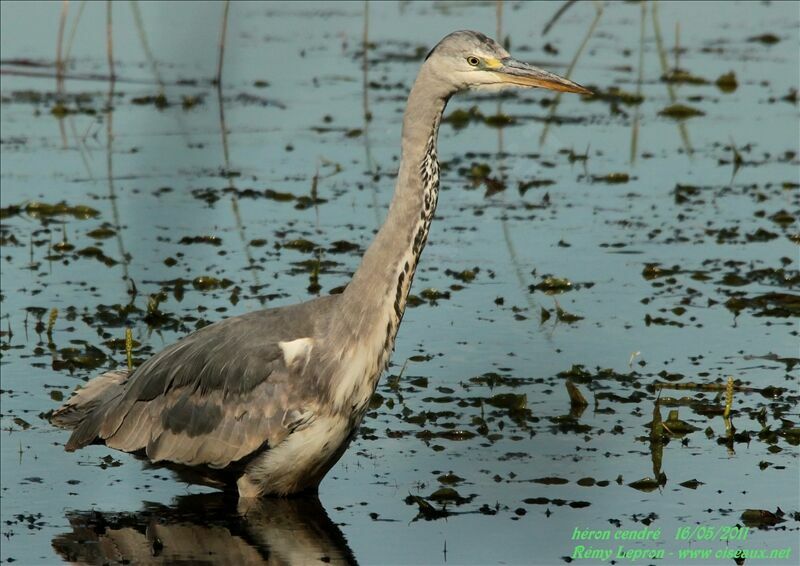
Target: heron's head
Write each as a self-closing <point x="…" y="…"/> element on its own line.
<point x="469" y="59"/>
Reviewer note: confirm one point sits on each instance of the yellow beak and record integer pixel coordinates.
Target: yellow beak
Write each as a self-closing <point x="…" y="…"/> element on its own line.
<point x="518" y="73"/>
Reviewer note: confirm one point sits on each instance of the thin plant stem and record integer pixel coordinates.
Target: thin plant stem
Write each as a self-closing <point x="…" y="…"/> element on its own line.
<point x="59" y="46"/>
<point x="235" y="209"/>
<point x="129" y="348"/>
<point x="74" y="29"/>
<point x="110" y="41"/>
<point x="500" y="131"/>
<point x="93" y="77"/>
<point x="662" y="57"/>
<point x="51" y="322"/>
<point x="137" y="18"/>
<point x="639" y="80"/>
<point x="728" y="397"/>
<point x="507" y="237"/>
<point x="694" y="386"/>
<point x="222" y="36"/>
<point x="223" y="131"/>
<point x="81" y="147"/>
<point x="112" y="193"/>
<point x="365" y="69"/>
<point x="367" y="114"/>
<point x="314" y="193"/>
<point x="564" y="7"/>
<point x="60" y="69"/>
<point x="512" y="254"/>
<point x="499" y="20"/>
<point x="598" y="14"/>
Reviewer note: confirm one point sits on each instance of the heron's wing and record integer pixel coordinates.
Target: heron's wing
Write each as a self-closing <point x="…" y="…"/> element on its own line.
<point x="212" y="429"/>
<point x="213" y="397"/>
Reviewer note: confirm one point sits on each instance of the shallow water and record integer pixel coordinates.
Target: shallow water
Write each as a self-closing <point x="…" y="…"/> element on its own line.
<point x="678" y="238"/>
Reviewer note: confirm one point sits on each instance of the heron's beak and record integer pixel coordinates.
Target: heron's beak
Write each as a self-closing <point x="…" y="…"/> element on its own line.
<point x="518" y="73"/>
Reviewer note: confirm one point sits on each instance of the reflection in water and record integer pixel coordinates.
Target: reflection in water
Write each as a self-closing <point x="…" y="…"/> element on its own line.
<point x="207" y="528"/>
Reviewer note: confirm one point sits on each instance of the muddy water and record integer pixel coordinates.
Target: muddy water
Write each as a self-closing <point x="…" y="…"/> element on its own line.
<point x="645" y="236"/>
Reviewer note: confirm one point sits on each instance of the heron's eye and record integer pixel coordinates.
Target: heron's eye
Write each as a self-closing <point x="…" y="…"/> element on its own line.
<point x="473" y="61"/>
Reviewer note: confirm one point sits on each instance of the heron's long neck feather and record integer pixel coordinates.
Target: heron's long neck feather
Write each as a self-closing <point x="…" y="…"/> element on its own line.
<point x="376" y="298"/>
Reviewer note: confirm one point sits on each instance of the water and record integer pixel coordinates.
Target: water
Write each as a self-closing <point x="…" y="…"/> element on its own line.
<point x="686" y="272"/>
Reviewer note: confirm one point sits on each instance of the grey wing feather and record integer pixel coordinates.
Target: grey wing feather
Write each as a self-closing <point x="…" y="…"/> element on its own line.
<point x="211" y="398"/>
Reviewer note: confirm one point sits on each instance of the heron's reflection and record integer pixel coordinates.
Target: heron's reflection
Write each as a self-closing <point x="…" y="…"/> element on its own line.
<point x="207" y="529"/>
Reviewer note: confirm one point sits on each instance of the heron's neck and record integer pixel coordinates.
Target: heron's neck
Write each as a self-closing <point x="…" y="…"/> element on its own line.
<point x="381" y="284"/>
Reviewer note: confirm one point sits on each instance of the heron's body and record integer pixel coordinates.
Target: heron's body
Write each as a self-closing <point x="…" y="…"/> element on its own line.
<point x="275" y="396"/>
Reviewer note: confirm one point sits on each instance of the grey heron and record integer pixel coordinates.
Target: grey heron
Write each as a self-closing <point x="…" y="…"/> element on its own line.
<point x="268" y="401"/>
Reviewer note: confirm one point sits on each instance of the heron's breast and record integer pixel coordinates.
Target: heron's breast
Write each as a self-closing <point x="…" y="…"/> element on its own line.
<point x="357" y="375"/>
<point x="301" y="461"/>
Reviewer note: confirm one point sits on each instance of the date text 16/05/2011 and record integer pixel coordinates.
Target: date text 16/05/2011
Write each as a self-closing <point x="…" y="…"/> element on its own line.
<point x="687" y="533"/>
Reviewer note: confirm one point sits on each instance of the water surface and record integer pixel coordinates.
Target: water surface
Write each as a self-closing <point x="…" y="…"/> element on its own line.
<point x="599" y="241"/>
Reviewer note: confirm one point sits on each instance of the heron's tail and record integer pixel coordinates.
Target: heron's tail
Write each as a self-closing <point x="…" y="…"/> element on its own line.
<point x="80" y="412"/>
